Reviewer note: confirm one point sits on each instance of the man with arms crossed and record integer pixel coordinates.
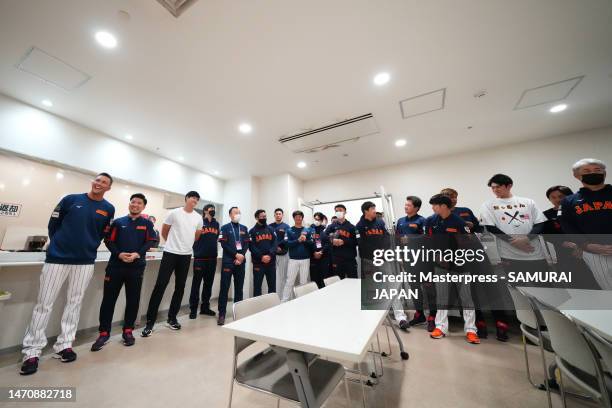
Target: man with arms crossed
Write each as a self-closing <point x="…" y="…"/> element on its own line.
<point x="181" y="228"/>
<point x="76" y="227"/>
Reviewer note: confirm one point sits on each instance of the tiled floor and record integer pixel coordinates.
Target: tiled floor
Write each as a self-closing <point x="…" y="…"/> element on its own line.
<point x="191" y="368"/>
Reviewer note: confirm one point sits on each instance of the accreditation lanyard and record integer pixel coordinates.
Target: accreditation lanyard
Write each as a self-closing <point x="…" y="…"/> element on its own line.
<point x="237" y="240"/>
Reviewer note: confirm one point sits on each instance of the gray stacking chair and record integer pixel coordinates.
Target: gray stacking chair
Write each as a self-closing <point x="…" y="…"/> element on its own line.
<point x="331" y="279"/>
<point x="531" y="329"/>
<point x="304" y="289"/>
<point x="602" y="350"/>
<point x="269" y="372"/>
<point x="575" y="357"/>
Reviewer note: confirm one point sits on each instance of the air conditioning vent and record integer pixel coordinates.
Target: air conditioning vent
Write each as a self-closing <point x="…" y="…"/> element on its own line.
<point x="332" y="135"/>
<point x="176" y="7"/>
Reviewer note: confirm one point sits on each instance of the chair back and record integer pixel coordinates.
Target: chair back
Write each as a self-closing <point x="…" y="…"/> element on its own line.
<point x="305" y="289"/>
<point x="331" y="279"/>
<point x="524" y="310"/>
<point x="566" y="340"/>
<point x="249" y="307"/>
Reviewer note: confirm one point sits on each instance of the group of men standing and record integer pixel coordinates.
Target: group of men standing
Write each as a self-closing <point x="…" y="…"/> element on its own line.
<point x="283" y="254"/>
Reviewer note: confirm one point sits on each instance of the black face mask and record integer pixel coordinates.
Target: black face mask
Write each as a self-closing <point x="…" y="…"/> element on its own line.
<point x="211" y="213"/>
<point x="593" y="179"/>
<point x="263" y="221"/>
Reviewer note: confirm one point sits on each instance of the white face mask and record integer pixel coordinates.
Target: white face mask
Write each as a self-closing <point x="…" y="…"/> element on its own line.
<point x="236" y="218"/>
<point x="340" y="215"/>
<point x="317" y="223"/>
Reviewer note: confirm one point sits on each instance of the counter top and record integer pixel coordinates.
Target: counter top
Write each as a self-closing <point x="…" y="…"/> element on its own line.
<point x="38" y="258"/>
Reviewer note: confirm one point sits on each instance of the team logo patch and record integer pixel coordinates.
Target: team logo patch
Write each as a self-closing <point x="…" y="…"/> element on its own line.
<point x="102" y="212"/>
<point x="451" y="230"/>
<point x="413" y="225"/>
<point x="141" y="227"/>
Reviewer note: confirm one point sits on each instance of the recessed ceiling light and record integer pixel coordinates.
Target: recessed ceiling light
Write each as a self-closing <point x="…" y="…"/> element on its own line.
<point x="47" y="103"/>
<point x="245" y="128"/>
<point x="400" y="143"/>
<point x="301" y="164"/>
<point x="382" y="78"/>
<point x="59" y="175"/>
<point x="25" y="181"/>
<point x="558" y="108"/>
<point x="106" y="39"/>
<point x="129" y="137"/>
<point x="216" y="172"/>
<point x="181" y="158"/>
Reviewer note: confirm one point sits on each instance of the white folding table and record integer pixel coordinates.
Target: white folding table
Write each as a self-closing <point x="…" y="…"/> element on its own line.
<point x="328" y="322"/>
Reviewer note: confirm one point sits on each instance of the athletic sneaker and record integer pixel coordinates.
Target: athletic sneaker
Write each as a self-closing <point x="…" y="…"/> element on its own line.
<point x="30" y="366"/>
<point x="100" y="341"/>
<point x="502" y="331"/>
<point x="472" y="338"/>
<point x="147" y="331"/>
<point x="437" y="334"/>
<point x="173" y="324"/>
<point x="193" y="314"/>
<point x="418" y="318"/>
<point x="66" y="355"/>
<point x="431" y="323"/>
<point x="481" y="328"/>
<point x="207" y="312"/>
<point x="221" y="320"/>
<point x="128" y="337"/>
<point x="403" y="324"/>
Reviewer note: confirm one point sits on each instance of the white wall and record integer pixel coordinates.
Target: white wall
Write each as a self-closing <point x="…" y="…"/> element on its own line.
<point x="36" y="133"/>
<point x="534" y="166"/>
<point x="282" y="191"/>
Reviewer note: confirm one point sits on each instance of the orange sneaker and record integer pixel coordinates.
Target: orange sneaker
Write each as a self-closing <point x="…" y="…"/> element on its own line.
<point x="472" y="338"/>
<point x="437" y="334"/>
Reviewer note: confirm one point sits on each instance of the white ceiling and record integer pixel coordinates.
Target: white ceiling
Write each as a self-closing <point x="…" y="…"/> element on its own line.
<point x="184" y="85"/>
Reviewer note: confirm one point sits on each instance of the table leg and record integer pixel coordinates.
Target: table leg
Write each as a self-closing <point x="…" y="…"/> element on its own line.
<point x="363" y="390"/>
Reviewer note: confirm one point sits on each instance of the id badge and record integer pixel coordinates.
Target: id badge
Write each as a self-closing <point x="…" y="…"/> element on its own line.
<point x="318" y="244"/>
<point x="238" y="246"/>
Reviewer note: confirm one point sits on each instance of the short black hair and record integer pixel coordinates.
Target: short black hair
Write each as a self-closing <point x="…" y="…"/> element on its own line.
<point x="320" y="215"/>
<point x="562" y="189"/>
<point x="279" y="209"/>
<point x="108" y="176"/>
<point x="259" y="212"/>
<point x="230" y="210"/>
<point x="500" y="179"/>
<point x="441" y="199"/>
<point x="141" y="196"/>
<point x="297" y="212"/>
<point x="416" y="201"/>
<point x="340" y="206"/>
<point x="208" y="207"/>
<point x="366" y="206"/>
<point x="192" y="194"/>
<point x="334" y="217"/>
